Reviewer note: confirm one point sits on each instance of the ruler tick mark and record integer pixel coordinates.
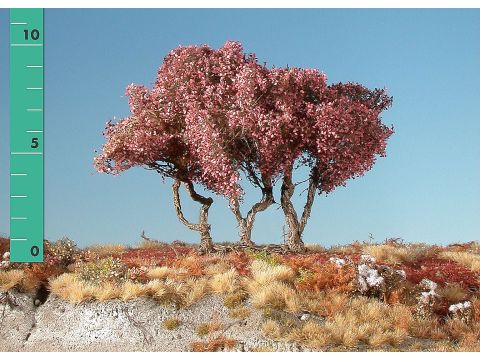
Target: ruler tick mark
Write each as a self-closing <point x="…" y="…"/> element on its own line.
<point x="26" y="44"/>
<point x="18" y="196"/>
<point x="18" y="218"/>
<point x="31" y="110"/>
<point x="34" y="88"/>
<point x="35" y="66"/>
<point x="19" y="239"/>
<point x="25" y="153"/>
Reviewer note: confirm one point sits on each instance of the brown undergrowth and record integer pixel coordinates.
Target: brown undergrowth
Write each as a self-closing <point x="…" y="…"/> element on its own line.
<point x="362" y="296"/>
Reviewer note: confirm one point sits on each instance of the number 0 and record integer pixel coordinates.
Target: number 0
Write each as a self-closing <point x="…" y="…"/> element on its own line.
<point x="34" y="250"/>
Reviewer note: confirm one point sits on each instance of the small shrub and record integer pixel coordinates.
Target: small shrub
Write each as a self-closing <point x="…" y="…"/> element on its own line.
<point x="263" y="256"/>
<point x="328" y="276"/>
<point x="63" y="250"/>
<point x="108" y="269"/>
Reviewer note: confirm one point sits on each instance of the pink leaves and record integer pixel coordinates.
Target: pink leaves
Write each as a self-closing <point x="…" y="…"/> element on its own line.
<point x="210" y="112"/>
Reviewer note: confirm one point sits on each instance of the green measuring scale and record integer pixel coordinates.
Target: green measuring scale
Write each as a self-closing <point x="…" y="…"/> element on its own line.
<point x="26" y="135"/>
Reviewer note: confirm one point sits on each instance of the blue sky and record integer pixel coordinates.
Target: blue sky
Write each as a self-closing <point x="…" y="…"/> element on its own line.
<point x="426" y="190"/>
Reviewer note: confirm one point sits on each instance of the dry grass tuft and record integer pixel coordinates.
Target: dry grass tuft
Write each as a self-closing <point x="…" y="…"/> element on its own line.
<point x="396" y="254"/>
<point x="265" y="273"/>
<point x="235" y="299"/>
<point x="241" y="312"/>
<point x="171" y="324"/>
<point x="313" y="248"/>
<point x="69" y="287"/>
<point x="363" y="320"/>
<point x="132" y="290"/>
<point x="272" y="329"/>
<point x="103" y="250"/>
<point x="452" y="293"/>
<point x="11" y="279"/>
<point x="150" y="244"/>
<point x="107" y="291"/>
<point x="324" y="303"/>
<point x="219" y="343"/>
<point x="208" y="328"/>
<point x="196" y="289"/>
<point x="276" y="295"/>
<point x="164" y="272"/>
<point x="225" y="283"/>
<point x="467" y="259"/>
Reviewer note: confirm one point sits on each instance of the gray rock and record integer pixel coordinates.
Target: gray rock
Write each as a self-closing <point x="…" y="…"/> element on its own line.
<point x="124" y="326"/>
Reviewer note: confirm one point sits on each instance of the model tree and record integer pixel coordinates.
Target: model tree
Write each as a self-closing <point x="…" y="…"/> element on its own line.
<point x="214" y="115"/>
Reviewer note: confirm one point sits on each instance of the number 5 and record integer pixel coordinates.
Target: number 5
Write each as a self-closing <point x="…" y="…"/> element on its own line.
<point x="34" y="143"/>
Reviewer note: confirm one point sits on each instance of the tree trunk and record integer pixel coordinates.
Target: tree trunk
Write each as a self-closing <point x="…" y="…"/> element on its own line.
<point x="294" y="236"/>
<point x="296" y="226"/>
<point x="206" y="243"/>
<point x="246" y="223"/>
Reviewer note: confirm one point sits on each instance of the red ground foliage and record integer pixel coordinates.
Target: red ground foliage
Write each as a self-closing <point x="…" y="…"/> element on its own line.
<point x="4" y="245"/>
<point x="240" y="260"/>
<point x="308" y="262"/>
<point x="160" y="256"/>
<point x="442" y="271"/>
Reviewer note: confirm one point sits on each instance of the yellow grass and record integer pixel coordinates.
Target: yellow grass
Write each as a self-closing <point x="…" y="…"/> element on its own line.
<point x="107" y="292"/>
<point x="324" y="303"/>
<point x="272" y="329"/>
<point x="10" y="279"/>
<point x="241" y="312"/>
<point x="131" y="290"/>
<point x="276" y="294"/>
<point x="363" y="320"/>
<point x="467" y="259"/>
<point x="69" y="287"/>
<point x="225" y="282"/>
<point x="164" y="272"/>
<point x="196" y="289"/>
<point x="217" y="268"/>
<point x="264" y="273"/>
<point x="103" y="250"/>
<point x="171" y="324"/>
<point x="395" y="254"/>
<point x="452" y="293"/>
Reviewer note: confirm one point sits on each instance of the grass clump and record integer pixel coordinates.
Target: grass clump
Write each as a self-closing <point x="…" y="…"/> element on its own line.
<point x="171" y="324"/>
<point x="467" y="259"/>
<point x="216" y="344"/>
<point x="11" y="279"/>
<point x="235" y="299"/>
<point x="396" y="254"/>
<point x="241" y="312"/>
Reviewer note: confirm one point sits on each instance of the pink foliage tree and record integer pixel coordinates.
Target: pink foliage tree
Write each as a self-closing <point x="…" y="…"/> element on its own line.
<point x="215" y="114"/>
